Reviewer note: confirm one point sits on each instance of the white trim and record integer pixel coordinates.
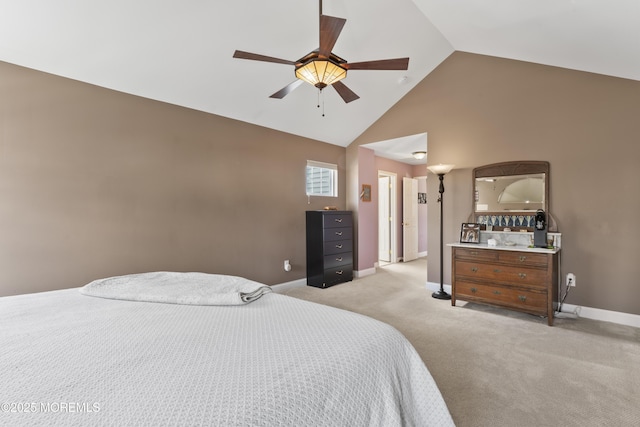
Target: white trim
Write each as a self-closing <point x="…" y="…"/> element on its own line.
<point x="363" y="273"/>
<point x="323" y="165"/>
<point x="314" y="165"/>
<point x="618" y="317"/>
<point x="603" y="315"/>
<point x="303" y="282"/>
<point x="289" y="285"/>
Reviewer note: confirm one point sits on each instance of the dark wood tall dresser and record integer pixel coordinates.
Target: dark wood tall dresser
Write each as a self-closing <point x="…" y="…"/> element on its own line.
<point x="329" y="248"/>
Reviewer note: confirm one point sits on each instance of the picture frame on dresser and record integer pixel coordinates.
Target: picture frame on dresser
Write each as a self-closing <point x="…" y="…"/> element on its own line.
<point x="470" y="233"/>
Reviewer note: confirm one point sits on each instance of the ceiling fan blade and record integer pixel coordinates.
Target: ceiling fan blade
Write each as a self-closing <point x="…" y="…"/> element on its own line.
<point x="382" y="64"/>
<point x="287" y="89"/>
<point x="330" y="28"/>
<point x="345" y="93"/>
<point x="254" y="56"/>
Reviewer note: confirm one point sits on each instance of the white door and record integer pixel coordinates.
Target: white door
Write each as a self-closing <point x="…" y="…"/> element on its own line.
<point x="409" y="219"/>
<point x="384" y="219"/>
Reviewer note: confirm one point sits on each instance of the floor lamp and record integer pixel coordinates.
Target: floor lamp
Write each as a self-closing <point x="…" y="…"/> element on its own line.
<point x="441" y="170"/>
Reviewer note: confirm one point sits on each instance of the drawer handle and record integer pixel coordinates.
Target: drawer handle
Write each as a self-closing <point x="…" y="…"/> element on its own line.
<point x="523" y="298"/>
<point x="474" y="269"/>
<point x="338" y="219"/>
<point x="338" y="246"/>
<point x="522" y="275"/>
<point x="339" y="259"/>
<point x="497" y="292"/>
<point x="338" y="233"/>
<point x="474" y="290"/>
<point x="497" y="270"/>
<point x="523" y="258"/>
<point x="339" y="272"/>
<point x="474" y="253"/>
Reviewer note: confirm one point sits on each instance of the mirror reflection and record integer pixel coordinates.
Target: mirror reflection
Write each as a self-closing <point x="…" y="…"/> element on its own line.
<point x="513" y="193"/>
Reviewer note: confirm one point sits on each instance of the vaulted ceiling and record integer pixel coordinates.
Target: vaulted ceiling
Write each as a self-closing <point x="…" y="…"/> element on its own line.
<point x="180" y="51"/>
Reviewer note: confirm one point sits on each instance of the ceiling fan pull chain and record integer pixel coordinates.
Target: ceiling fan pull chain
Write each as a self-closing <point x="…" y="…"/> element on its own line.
<point x="321" y="100"/>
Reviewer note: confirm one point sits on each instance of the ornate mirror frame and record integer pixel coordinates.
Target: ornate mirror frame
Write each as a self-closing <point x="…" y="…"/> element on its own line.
<point x="515" y="220"/>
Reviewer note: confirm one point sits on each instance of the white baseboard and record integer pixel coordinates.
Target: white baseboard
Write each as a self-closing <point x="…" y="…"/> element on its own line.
<point x="603" y="315"/>
<point x="303" y="282"/>
<point x="618" y="317"/>
<point x="289" y="285"/>
<point x="363" y="273"/>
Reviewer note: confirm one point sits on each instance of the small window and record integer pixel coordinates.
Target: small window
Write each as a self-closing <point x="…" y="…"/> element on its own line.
<point x="322" y="179"/>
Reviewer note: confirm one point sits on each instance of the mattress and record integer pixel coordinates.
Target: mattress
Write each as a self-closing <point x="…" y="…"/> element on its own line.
<point x="72" y="359"/>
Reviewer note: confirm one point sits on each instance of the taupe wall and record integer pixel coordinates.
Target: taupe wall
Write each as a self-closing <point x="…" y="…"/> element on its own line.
<point x="95" y="183"/>
<point x="480" y="110"/>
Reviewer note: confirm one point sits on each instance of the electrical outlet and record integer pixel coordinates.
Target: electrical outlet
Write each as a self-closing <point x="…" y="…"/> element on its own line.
<point x="571" y="279"/>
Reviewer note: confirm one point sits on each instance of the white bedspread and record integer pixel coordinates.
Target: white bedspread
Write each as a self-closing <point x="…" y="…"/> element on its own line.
<point x="67" y="359"/>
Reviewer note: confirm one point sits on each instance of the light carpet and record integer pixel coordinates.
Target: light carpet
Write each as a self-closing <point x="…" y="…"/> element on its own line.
<point x="496" y="367"/>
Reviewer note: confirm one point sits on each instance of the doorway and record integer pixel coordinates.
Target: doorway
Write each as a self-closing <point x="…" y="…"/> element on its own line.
<point x="386" y="217"/>
<point x="409" y="219"/>
<point x="389" y="161"/>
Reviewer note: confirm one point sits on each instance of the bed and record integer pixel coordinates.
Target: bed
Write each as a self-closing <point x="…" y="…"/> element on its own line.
<point x="195" y="349"/>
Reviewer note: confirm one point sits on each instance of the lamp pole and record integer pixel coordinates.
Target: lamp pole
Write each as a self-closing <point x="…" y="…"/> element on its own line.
<point x="441" y="294"/>
<point x="441" y="170"/>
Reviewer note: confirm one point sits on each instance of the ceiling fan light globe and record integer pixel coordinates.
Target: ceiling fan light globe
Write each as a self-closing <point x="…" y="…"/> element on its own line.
<point x="320" y="73"/>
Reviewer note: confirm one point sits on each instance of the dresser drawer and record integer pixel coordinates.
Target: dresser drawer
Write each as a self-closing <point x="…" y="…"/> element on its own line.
<point x="338" y="275"/>
<point x="338" y="246"/>
<point x="524" y="258"/>
<point x="476" y="254"/>
<point x="338" y="220"/>
<point x="337" y="260"/>
<point x="522" y="299"/>
<point x="502" y="273"/>
<point x="342" y="233"/>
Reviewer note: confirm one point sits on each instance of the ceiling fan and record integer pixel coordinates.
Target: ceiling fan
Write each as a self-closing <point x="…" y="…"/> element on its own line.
<point x="321" y="67"/>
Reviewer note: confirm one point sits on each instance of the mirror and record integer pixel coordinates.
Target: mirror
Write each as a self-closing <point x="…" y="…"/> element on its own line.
<point x="516" y="193"/>
<point x="511" y="192"/>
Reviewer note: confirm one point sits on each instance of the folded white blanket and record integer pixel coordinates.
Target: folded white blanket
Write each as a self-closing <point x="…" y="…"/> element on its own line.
<point x="178" y="288"/>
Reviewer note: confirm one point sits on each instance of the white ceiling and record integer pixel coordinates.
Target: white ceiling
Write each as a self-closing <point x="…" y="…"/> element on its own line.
<point x="180" y="51"/>
<point x="401" y="149"/>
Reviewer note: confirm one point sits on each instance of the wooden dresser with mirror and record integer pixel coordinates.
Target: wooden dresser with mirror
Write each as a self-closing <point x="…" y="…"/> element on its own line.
<point x="509" y="273"/>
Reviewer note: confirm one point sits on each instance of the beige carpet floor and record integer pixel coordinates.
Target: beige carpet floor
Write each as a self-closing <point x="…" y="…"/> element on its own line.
<point x="500" y="368"/>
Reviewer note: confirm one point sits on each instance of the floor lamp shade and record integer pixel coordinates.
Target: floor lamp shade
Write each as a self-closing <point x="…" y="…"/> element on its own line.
<point x="440" y="169"/>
